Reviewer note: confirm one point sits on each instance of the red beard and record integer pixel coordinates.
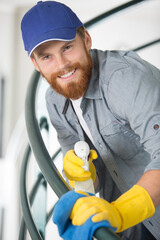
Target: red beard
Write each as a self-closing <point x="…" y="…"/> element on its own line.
<point x="77" y="88"/>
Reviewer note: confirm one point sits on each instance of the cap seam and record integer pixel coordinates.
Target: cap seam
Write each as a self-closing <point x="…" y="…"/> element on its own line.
<point x="68" y="16"/>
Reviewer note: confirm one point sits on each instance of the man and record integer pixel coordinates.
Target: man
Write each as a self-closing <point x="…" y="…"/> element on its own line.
<point x="111" y="99"/>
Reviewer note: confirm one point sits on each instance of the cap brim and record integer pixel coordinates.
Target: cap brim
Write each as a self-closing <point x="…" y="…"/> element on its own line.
<point x="65" y="34"/>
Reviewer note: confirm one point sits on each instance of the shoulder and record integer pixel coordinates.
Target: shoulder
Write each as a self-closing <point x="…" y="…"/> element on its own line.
<point x="110" y="63"/>
<point x="128" y="78"/>
<point x="121" y="69"/>
<point x="133" y="74"/>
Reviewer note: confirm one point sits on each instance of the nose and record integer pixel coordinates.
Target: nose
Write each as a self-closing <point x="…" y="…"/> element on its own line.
<point x="61" y="62"/>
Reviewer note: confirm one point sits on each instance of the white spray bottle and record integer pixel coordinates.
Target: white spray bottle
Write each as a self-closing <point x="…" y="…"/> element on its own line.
<point x="82" y="150"/>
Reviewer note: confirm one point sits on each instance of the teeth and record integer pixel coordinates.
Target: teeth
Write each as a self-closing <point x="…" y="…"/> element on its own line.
<point x="68" y="74"/>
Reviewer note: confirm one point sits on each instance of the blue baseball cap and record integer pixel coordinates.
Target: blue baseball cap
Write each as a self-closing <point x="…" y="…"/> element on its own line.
<point x="47" y="21"/>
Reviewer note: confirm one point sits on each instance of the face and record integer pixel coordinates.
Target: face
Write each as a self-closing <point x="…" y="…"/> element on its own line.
<point x="66" y="66"/>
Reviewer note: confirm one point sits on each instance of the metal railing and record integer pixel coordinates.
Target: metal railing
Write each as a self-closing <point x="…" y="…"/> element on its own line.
<point x="49" y="170"/>
<point x="112" y="12"/>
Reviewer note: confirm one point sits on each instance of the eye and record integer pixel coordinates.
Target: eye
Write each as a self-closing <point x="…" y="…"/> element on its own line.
<point x="68" y="47"/>
<point x="46" y="57"/>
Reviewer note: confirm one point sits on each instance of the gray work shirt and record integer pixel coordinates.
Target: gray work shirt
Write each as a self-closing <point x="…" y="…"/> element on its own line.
<point x="122" y="110"/>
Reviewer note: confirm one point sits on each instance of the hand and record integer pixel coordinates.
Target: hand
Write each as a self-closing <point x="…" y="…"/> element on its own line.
<point x="129" y="209"/>
<point x="66" y="229"/>
<point x="73" y="170"/>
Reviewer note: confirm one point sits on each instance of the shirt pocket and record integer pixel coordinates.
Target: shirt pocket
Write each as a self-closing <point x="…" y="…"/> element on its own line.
<point x="121" y="140"/>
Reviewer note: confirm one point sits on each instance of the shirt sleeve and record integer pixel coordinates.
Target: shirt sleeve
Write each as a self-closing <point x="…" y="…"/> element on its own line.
<point x="134" y="95"/>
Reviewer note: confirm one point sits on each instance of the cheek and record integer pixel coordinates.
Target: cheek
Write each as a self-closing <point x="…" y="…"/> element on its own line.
<point x="78" y="55"/>
<point x="81" y="58"/>
<point x="46" y="71"/>
<point x="46" y="75"/>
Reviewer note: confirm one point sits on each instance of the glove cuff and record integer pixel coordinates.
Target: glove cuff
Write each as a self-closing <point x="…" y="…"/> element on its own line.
<point x="134" y="206"/>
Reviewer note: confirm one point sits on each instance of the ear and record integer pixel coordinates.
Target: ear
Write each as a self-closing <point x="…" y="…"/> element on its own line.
<point x="35" y="63"/>
<point x="88" y="40"/>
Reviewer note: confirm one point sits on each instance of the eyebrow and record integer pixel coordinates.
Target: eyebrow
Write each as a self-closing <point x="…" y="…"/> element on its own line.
<point x="40" y="52"/>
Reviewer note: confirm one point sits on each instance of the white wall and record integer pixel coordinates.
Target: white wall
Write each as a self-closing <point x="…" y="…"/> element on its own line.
<point x="14" y="70"/>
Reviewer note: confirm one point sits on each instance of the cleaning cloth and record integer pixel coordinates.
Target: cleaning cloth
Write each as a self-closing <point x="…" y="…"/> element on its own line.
<point x="67" y="230"/>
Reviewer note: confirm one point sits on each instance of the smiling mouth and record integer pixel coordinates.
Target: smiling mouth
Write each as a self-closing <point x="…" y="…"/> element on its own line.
<point x="67" y="75"/>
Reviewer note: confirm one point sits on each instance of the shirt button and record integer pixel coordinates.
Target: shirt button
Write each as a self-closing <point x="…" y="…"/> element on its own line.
<point x="156" y="127"/>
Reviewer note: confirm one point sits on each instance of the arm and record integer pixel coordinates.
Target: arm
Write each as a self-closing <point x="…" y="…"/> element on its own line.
<point x="150" y="181"/>
<point x="137" y="100"/>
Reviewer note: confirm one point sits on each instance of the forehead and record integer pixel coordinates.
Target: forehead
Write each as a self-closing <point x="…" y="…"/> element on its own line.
<point x="53" y="44"/>
<point x="48" y="45"/>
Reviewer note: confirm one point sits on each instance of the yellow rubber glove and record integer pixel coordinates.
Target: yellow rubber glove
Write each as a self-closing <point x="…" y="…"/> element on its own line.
<point x="72" y="166"/>
<point x="129" y="209"/>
